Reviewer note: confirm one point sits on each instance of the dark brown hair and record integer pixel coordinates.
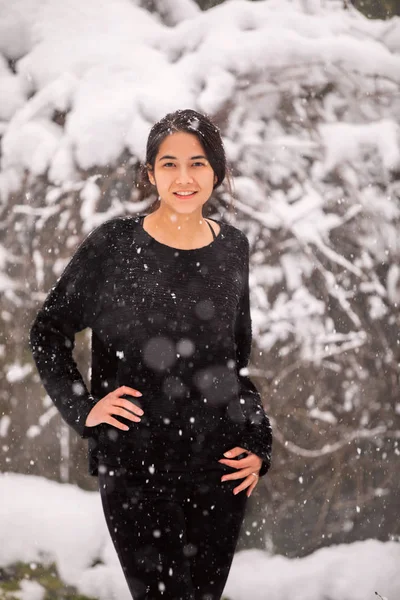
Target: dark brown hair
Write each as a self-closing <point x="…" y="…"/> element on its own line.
<point x="195" y="123"/>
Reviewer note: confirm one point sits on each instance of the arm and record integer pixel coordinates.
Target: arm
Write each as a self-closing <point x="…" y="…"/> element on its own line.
<point x="257" y="437"/>
<point x="69" y="308"/>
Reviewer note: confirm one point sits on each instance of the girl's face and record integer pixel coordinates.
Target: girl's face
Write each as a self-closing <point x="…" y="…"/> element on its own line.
<point x="181" y="166"/>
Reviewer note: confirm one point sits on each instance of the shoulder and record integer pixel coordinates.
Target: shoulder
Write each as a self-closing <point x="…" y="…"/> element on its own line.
<point x="111" y="228"/>
<point x="116" y="224"/>
<point x="238" y="236"/>
<point x="238" y="233"/>
<point x="101" y="240"/>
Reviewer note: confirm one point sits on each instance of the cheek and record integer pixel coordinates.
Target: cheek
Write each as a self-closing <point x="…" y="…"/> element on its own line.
<point x="163" y="179"/>
<point x="206" y="178"/>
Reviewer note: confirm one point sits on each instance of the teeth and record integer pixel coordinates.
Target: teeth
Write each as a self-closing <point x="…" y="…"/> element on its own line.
<point x="184" y="193"/>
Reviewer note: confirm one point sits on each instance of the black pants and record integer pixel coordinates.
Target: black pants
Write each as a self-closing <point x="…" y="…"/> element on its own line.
<point x="175" y="534"/>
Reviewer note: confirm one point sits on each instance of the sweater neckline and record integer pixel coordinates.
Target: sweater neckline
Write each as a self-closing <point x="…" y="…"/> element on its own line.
<point x="211" y="245"/>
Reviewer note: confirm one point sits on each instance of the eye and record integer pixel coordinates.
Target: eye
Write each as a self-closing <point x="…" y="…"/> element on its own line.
<point x="168" y="163"/>
<point x="199" y="163"/>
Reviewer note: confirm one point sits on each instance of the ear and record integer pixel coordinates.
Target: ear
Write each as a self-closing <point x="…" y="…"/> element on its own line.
<point x="151" y="176"/>
<point x="215" y="179"/>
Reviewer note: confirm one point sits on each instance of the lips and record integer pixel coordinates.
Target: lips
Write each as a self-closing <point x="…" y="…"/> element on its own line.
<point x="184" y="194"/>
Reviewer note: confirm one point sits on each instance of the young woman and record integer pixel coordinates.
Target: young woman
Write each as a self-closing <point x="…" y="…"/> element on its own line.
<point x="177" y="433"/>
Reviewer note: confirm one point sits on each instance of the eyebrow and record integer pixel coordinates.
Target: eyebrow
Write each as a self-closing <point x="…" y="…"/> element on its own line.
<point x="174" y="157"/>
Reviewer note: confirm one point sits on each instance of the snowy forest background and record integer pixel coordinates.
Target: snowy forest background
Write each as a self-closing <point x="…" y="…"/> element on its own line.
<point x="307" y="96"/>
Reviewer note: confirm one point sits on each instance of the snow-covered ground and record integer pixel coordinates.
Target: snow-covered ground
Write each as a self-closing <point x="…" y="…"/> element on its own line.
<point x="42" y="520"/>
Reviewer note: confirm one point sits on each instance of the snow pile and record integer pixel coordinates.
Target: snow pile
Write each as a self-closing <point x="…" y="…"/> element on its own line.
<point x="44" y="521"/>
<point x="348" y="571"/>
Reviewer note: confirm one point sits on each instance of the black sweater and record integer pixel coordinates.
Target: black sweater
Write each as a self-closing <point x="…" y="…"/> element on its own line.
<point x="174" y="324"/>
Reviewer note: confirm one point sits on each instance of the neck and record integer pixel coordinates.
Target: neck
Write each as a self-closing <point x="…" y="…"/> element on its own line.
<point x="180" y="225"/>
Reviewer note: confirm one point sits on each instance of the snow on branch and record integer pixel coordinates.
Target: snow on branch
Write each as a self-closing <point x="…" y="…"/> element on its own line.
<point x="349" y="438"/>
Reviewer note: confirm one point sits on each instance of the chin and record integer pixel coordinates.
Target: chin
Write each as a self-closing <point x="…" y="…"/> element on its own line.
<point x="185" y="206"/>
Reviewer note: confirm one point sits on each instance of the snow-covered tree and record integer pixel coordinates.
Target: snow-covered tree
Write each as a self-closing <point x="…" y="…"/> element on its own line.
<point x="306" y="94"/>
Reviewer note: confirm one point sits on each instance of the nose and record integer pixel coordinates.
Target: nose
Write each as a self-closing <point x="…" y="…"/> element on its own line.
<point x="183" y="176"/>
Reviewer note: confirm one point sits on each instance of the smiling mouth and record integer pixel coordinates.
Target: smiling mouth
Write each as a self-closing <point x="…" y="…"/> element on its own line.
<point x="184" y="194"/>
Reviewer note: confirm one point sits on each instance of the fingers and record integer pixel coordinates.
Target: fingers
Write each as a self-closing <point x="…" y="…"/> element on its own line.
<point x="239" y="474"/>
<point x="251" y="487"/>
<point x="111" y="421"/>
<point x="235" y="452"/>
<point x="124" y="389"/>
<point x="250" y="482"/>
<point x="241" y="463"/>
<point x="127" y="414"/>
<point x="115" y="405"/>
<point x="127" y="405"/>
<point x="251" y="460"/>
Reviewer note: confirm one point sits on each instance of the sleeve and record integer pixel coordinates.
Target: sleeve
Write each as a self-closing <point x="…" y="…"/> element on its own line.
<point x="257" y="436"/>
<point x="69" y="308"/>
